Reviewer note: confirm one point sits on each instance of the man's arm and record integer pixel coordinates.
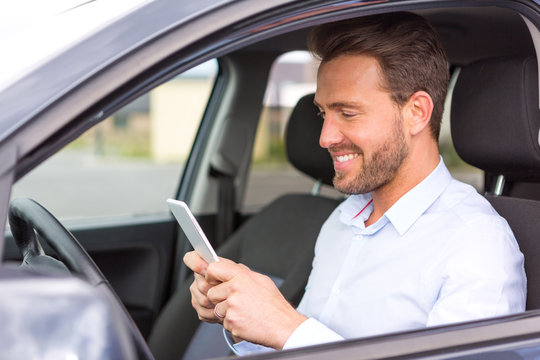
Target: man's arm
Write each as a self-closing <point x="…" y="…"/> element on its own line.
<point x="483" y="275"/>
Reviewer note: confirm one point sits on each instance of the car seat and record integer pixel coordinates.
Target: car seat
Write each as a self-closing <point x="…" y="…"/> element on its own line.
<point x="495" y="122"/>
<point x="278" y="241"/>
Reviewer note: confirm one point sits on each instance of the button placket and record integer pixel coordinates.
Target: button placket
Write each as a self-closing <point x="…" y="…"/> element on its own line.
<point x="351" y="261"/>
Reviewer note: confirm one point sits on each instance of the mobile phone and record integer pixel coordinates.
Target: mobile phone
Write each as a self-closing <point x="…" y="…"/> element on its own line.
<point x="193" y="230"/>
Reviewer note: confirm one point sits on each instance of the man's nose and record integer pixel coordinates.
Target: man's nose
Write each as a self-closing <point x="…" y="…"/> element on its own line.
<point x="330" y="133"/>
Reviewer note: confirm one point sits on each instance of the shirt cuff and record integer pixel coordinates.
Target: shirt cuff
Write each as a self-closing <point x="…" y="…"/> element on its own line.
<point x="243" y="348"/>
<point x="311" y="332"/>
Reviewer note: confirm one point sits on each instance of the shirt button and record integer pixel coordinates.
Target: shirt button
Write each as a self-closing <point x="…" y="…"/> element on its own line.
<point x="336" y="291"/>
<point x="359" y="237"/>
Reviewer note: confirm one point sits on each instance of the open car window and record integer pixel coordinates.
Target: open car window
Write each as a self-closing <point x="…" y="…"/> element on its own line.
<point x="293" y="75"/>
<point x="132" y="161"/>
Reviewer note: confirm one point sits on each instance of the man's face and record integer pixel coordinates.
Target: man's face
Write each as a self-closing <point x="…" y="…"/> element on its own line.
<point x="363" y="128"/>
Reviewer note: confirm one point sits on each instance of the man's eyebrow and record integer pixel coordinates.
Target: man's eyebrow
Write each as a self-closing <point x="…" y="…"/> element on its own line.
<point x="339" y="104"/>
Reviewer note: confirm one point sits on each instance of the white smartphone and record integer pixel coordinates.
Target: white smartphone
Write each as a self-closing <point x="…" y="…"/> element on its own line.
<point x="193" y="230"/>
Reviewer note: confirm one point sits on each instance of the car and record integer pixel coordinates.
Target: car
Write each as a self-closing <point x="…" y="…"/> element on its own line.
<point x="142" y="101"/>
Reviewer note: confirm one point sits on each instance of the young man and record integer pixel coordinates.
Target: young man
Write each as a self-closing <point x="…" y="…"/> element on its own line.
<point x="411" y="247"/>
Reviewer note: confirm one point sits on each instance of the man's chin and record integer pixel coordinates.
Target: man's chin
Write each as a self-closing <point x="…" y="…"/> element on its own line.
<point x="342" y="185"/>
<point x="349" y="186"/>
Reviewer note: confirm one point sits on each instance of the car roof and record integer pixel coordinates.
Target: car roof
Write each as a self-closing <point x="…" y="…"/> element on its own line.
<point x="468" y="34"/>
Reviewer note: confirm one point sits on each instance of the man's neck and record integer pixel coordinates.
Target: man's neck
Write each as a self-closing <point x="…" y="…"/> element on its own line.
<point x="410" y="174"/>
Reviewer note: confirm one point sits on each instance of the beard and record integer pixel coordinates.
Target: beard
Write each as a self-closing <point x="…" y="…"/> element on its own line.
<point x="378" y="170"/>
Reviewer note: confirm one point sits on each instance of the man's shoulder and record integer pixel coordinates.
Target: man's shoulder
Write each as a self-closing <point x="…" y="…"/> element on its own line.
<point x="463" y="199"/>
<point x="462" y="203"/>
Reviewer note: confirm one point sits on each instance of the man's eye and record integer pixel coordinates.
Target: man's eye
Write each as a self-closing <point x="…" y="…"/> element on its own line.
<point x="348" y="114"/>
<point x="321" y="114"/>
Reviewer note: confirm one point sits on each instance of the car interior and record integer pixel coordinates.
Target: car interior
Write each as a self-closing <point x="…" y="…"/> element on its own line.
<point x="493" y="108"/>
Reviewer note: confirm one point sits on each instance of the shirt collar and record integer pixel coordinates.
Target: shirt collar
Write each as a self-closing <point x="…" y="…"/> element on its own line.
<point x="349" y="210"/>
<point x="404" y="213"/>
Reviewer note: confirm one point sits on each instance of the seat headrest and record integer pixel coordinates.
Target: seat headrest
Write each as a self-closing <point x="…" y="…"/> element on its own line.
<point x="495" y="117"/>
<point x="302" y="142"/>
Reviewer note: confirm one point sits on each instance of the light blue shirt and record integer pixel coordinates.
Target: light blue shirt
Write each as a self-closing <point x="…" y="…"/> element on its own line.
<point x="441" y="254"/>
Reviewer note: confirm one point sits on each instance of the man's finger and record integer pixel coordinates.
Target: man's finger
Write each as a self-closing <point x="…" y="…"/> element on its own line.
<point x="200" y="298"/>
<point x="222" y="271"/>
<point x="220" y="311"/>
<point x="219" y="292"/>
<point x="195" y="263"/>
<point x="202" y="284"/>
<point x="225" y="260"/>
<point x="205" y="314"/>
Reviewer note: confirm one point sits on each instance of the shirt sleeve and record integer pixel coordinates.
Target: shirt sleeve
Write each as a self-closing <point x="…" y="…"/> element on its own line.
<point x="311" y="332"/>
<point x="244" y="348"/>
<point x="483" y="276"/>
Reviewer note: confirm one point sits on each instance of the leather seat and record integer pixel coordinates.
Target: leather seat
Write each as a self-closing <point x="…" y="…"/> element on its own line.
<point x="278" y="241"/>
<point x="495" y="123"/>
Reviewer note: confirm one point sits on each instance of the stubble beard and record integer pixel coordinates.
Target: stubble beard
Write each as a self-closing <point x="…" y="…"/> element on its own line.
<point x="378" y="170"/>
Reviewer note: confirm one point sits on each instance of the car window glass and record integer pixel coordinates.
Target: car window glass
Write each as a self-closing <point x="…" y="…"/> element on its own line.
<point x="293" y="75"/>
<point x="132" y="161"/>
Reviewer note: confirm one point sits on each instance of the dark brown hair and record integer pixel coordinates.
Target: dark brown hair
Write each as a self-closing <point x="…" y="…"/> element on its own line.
<point x="408" y="49"/>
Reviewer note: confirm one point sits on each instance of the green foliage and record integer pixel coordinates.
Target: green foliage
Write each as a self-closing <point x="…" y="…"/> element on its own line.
<point x="115" y="138"/>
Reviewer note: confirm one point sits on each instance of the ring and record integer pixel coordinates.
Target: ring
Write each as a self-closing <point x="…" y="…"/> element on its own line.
<point x="217" y="313"/>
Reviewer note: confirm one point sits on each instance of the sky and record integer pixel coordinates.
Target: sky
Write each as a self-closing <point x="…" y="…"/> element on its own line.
<point x="33" y="30"/>
<point x="15" y="15"/>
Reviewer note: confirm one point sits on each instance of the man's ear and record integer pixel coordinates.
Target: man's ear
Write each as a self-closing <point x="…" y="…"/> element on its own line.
<point x="418" y="112"/>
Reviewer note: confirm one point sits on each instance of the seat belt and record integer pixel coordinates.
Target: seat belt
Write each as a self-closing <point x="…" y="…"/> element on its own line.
<point x="224" y="173"/>
<point x="226" y="206"/>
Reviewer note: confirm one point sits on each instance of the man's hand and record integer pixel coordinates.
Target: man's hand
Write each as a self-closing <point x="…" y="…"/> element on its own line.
<point x="199" y="288"/>
<point x="251" y="305"/>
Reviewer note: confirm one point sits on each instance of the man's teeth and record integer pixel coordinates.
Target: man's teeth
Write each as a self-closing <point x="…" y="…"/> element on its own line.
<point x="343" y="158"/>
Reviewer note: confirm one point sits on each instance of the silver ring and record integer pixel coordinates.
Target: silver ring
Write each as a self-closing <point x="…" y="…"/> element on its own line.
<point x="217" y="313"/>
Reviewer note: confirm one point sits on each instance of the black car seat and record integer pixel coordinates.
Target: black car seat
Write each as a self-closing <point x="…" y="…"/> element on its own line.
<point x="278" y="241"/>
<point x="495" y="121"/>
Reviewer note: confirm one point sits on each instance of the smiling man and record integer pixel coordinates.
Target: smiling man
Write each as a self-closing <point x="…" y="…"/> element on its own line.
<point x="411" y="247"/>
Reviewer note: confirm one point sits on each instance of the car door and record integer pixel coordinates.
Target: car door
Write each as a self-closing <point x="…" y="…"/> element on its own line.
<point x="109" y="187"/>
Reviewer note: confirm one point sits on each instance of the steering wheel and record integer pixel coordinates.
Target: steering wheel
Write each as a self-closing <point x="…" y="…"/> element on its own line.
<point x="26" y="218"/>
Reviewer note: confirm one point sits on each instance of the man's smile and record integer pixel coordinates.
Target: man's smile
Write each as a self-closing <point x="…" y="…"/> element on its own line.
<point x="343" y="158"/>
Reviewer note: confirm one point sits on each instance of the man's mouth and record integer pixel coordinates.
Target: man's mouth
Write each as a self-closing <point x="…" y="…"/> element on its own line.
<point x="347" y="157"/>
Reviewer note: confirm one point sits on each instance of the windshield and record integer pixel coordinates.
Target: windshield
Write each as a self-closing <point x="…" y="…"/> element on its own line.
<point x="31" y="31"/>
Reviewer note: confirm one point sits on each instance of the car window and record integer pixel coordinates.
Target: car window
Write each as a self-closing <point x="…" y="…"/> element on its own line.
<point x="293" y="75"/>
<point x="132" y="161"/>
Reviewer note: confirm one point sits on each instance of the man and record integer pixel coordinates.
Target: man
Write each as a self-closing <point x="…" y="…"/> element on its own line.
<point x="411" y="247"/>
